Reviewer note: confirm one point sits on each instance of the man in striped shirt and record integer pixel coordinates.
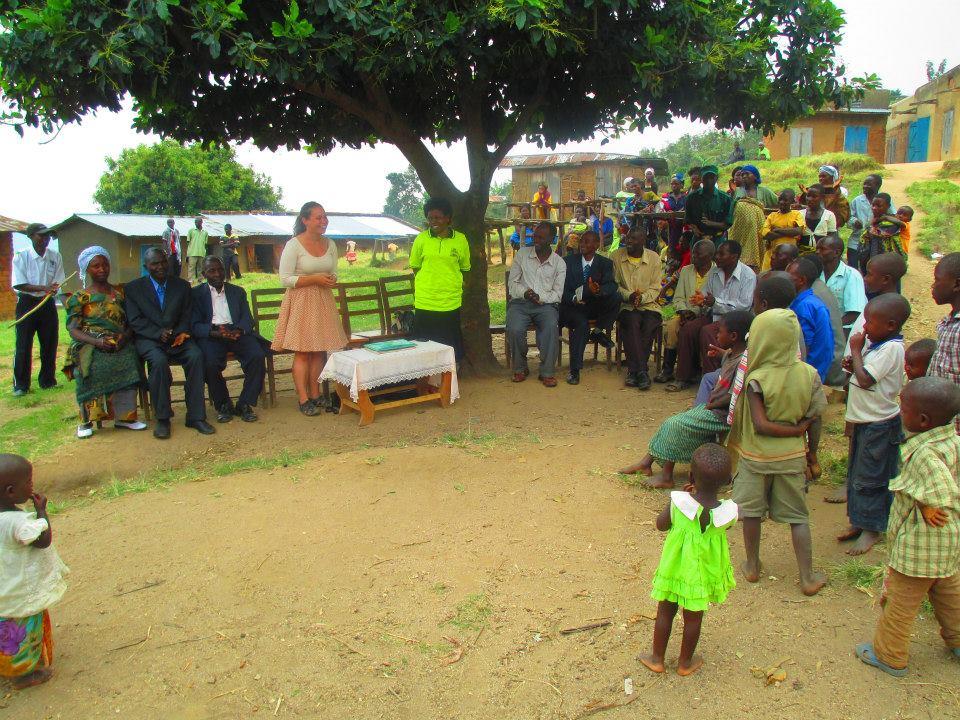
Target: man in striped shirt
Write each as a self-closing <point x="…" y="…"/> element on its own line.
<point x="945" y="362"/>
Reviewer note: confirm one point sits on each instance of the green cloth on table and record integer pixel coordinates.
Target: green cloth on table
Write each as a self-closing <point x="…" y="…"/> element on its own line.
<point x="440" y="264"/>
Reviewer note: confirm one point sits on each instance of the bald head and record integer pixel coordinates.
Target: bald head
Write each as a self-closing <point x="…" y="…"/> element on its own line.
<point x="710" y="466"/>
<point x="889" y="307"/>
<point x="783" y="255"/>
<point x="937" y="398"/>
<point x="950" y="265"/>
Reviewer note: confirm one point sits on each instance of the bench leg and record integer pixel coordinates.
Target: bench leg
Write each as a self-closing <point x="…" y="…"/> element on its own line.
<point x="367" y="409"/>
<point x="446" y="381"/>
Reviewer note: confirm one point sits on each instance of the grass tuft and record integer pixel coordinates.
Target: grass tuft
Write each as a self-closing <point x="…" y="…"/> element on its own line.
<point x="472" y="613"/>
<point x="856" y="572"/>
<point x="834" y="468"/>
<point x="284" y="458"/>
<point x="940" y="202"/>
<point x="950" y="169"/>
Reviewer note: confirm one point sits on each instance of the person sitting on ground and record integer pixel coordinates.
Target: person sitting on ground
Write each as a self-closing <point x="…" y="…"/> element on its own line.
<point x="221" y="323"/>
<point x="736" y="155"/>
<point x="873" y="418"/>
<point x="843" y="281"/>
<point x="158" y="308"/>
<point x="541" y="201"/>
<point x="709" y="211"/>
<point x="905" y="215"/>
<point x="694" y="569"/>
<point x="101" y="360"/>
<point x="589" y="294"/>
<point x="636" y="271"/>
<point x="763" y="152"/>
<point x="945" y="362"/>
<point x="923" y="533"/>
<point x="33" y="577"/>
<point x="785" y="225"/>
<point x="690" y="282"/>
<point x="729" y="286"/>
<point x="783" y="396"/>
<point x="916" y="358"/>
<point x="681" y="434"/>
<point x="883" y="235"/>
<point x="814" y="317"/>
<point x="535" y="286"/>
<point x="819" y="221"/>
<point x="522" y="231"/>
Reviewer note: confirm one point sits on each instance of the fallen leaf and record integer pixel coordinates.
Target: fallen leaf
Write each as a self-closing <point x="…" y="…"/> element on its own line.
<point x="739" y="655"/>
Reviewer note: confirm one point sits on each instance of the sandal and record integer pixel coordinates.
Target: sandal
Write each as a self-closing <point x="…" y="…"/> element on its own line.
<point x="309" y="409"/>
<point x="549" y="381"/>
<point x="520" y="376"/>
<point x="678" y="386"/>
<point x="865" y="652"/>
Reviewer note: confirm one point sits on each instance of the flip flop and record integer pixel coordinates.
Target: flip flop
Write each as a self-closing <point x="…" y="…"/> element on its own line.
<point x="677" y="386"/>
<point x="865" y="652"/>
<point x="956" y="652"/>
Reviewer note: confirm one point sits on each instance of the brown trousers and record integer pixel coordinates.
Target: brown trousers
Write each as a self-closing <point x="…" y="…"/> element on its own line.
<point x="639" y="328"/>
<point x="696" y="336"/>
<point x="900" y="603"/>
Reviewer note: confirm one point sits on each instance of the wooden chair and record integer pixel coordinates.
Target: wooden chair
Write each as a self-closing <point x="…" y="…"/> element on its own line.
<point x="592" y="325"/>
<point x="658" y="345"/>
<point x="360" y="300"/>
<point x="265" y="306"/>
<point x="396" y="292"/>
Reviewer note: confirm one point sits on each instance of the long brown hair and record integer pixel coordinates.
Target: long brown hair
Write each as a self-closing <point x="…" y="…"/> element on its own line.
<point x="299" y="227"/>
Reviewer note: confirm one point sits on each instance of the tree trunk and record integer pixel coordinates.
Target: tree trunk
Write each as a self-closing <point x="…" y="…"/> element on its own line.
<point x="475" y="313"/>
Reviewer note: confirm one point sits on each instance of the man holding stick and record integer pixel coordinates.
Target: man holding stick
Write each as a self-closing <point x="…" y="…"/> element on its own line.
<point x="37" y="274"/>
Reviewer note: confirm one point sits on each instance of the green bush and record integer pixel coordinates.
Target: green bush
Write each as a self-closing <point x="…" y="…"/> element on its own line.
<point x="950" y="169"/>
<point x="940" y="202"/>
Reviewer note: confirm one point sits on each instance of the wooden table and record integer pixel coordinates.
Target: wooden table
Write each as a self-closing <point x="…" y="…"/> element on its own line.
<point x="360" y="376"/>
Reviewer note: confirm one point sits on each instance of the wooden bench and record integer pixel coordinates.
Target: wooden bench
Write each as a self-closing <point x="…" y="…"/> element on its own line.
<point x="264" y="307"/>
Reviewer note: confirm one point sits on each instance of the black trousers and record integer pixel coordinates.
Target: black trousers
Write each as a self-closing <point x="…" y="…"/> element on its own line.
<point x="174" y="265"/>
<point x="639" y="328"/>
<point x="251" y="355"/>
<point x="231" y="262"/>
<point x="44" y="324"/>
<point x="159" y="359"/>
<point x="577" y="317"/>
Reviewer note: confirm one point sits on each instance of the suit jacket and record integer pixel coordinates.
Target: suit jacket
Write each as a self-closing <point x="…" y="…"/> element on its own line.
<point x="601" y="270"/>
<point x="146" y="317"/>
<point x="201" y="315"/>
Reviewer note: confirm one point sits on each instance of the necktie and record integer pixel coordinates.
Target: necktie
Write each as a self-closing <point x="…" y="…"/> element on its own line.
<point x="586" y="271"/>
<point x="161" y="291"/>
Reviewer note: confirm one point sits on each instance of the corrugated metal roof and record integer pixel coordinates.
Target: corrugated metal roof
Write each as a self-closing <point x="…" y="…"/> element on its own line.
<point x="10" y="225"/>
<point x="273" y="225"/>
<point x="551" y="159"/>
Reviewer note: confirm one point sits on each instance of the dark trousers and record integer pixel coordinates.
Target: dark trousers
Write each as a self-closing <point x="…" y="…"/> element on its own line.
<point x="231" y="262"/>
<point x="173" y="261"/>
<point x="44" y="324"/>
<point x="159" y="359"/>
<point x="873" y="461"/>
<point x="688" y="348"/>
<point x="251" y="355"/>
<point x="638" y="328"/>
<point x="577" y="317"/>
<point x="853" y="257"/>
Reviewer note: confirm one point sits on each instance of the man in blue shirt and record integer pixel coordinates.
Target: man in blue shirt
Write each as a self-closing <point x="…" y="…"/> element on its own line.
<point x="813" y="315"/>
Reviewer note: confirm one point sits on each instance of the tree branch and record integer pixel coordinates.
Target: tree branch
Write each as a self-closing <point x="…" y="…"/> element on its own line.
<point x="520" y="122"/>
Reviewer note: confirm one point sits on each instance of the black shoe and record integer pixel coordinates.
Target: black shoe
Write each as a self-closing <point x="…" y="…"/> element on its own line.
<point x="309" y="409"/>
<point x="201" y="426"/>
<point x="631" y="380"/>
<point x="643" y="381"/>
<point x="664" y="376"/>
<point x="573" y="377"/>
<point x="245" y="413"/>
<point x="225" y="413"/>
<point x="162" y="430"/>
<point x="19" y="392"/>
<point x="602" y="340"/>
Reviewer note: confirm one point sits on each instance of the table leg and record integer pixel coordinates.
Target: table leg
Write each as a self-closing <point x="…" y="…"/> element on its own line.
<point x="446" y="380"/>
<point x="367" y="409"/>
<point x="343" y="392"/>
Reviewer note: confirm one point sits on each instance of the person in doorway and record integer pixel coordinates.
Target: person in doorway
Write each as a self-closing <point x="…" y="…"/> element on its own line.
<point x="228" y="246"/>
<point x="35" y="274"/>
<point x="171" y="245"/>
<point x="197" y="240"/>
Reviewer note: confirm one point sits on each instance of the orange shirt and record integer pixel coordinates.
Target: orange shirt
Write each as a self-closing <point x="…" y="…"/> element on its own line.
<point x="905" y="237"/>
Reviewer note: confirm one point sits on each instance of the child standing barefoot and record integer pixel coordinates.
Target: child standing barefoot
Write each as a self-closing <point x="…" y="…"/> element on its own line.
<point x="695" y="567"/>
<point x="31" y="577"/>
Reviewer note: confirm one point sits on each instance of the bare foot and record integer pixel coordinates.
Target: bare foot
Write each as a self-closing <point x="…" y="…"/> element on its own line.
<point x="37" y="677"/>
<point x="838" y="496"/>
<point x="660" y="482"/>
<point x="814" y="585"/>
<point x="651" y="663"/>
<point x="696" y="662"/>
<point x="750" y="573"/>
<point x="851" y="533"/>
<point x="866" y="541"/>
<point x="641" y="467"/>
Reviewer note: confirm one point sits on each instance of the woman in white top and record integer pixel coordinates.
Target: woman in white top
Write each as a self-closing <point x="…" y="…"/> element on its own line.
<point x="818" y="221"/>
<point x="309" y="324"/>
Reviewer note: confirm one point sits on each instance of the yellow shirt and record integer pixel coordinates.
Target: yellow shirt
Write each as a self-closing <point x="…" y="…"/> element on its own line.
<point x="699" y="280"/>
<point x="778" y="221"/>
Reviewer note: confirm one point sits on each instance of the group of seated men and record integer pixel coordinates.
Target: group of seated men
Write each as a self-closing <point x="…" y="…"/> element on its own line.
<point x="196" y="328"/>
<point x="589" y="293"/>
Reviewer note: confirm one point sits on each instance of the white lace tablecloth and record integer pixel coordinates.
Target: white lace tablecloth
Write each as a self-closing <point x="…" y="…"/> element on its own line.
<point x="363" y="369"/>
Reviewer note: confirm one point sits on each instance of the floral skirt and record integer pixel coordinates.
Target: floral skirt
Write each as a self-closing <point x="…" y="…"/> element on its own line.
<point x="309" y="322"/>
<point x="26" y="644"/>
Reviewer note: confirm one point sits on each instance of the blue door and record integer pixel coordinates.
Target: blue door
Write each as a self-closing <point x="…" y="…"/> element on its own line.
<point x="917" y="140"/>
<point x="855" y="139"/>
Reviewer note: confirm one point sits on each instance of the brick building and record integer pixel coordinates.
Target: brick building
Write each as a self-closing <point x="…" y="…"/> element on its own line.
<point x="8" y="300"/>
<point x="922" y="127"/>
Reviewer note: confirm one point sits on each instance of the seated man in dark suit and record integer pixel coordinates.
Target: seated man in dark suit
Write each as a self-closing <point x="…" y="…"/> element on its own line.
<point x="158" y="310"/>
<point x="222" y="324"/>
<point x="589" y="293"/>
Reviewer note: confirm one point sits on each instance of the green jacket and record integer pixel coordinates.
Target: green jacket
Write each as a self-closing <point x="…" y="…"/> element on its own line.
<point x="440" y="264"/>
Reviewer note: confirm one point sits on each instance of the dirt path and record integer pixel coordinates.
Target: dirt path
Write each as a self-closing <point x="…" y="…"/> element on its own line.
<point x="423" y="568"/>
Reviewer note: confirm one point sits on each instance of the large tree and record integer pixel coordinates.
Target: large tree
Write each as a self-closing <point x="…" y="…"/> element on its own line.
<point x="170" y="178"/>
<point x="405" y="196"/>
<point x="323" y="73"/>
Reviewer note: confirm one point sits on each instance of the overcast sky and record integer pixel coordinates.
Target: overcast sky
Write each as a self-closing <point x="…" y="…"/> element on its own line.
<point x="48" y="182"/>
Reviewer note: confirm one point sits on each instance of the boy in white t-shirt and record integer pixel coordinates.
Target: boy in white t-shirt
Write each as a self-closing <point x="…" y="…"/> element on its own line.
<point x="31" y="577"/>
<point x="873" y="418"/>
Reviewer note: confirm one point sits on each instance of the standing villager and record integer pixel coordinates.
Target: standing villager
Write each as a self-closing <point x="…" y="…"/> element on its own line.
<point x="709" y="211"/>
<point x="751" y="186"/>
<point x="36" y="273"/>
<point x="819" y="220"/>
<point x="102" y="360"/>
<point x="440" y="256"/>
<point x="834" y="194"/>
<point x="197" y="240"/>
<point x="171" y="246"/>
<point x="309" y="325"/>
<point x="861" y="216"/>
<point x="228" y="246"/>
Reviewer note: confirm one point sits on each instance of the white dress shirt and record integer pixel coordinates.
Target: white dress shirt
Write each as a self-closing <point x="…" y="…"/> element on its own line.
<point x="32" y="269"/>
<point x="221" y="310"/>
<point x="544" y="278"/>
<point x="733" y="293"/>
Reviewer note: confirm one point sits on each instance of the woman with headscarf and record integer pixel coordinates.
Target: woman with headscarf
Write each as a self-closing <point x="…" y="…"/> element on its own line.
<point x="834" y="196"/>
<point x="674" y="201"/>
<point x="101" y="360"/>
<point x="649" y="184"/>
<point x="750" y="186"/>
<point x="749" y="215"/>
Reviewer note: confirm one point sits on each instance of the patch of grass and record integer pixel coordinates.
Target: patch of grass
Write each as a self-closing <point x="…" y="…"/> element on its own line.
<point x="146" y="482"/>
<point x="834" y="428"/>
<point x="377" y="460"/>
<point x="460" y="488"/>
<point x="834" y="467"/>
<point x="856" y="572"/>
<point x="950" y="169"/>
<point x="472" y="613"/>
<point x="468" y="439"/>
<point x="940" y="202"/>
<point x="440" y="589"/>
<point x="36" y="433"/>
<point x="635" y="481"/>
<point x="284" y="458"/>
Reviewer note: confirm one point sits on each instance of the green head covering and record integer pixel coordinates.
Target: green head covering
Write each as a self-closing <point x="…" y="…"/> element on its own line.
<point x="786" y="382"/>
<point x="708" y="169"/>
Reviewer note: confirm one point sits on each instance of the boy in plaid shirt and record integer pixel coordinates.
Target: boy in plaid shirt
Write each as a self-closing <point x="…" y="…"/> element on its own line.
<point x="945" y="362"/>
<point x="924" y="529"/>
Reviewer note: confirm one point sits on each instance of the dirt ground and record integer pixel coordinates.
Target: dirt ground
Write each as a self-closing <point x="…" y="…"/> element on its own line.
<point x="423" y="567"/>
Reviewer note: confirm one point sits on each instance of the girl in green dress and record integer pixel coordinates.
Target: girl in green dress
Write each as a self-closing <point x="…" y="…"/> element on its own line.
<point x="695" y="567"/>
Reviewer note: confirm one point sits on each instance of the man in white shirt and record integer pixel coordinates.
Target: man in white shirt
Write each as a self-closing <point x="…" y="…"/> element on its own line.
<point x="37" y="273"/>
<point x="535" y="288"/>
<point x="171" y="246"/>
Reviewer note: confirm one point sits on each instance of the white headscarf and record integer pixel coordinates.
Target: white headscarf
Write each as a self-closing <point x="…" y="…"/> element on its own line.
<point x="85" y="258"/>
